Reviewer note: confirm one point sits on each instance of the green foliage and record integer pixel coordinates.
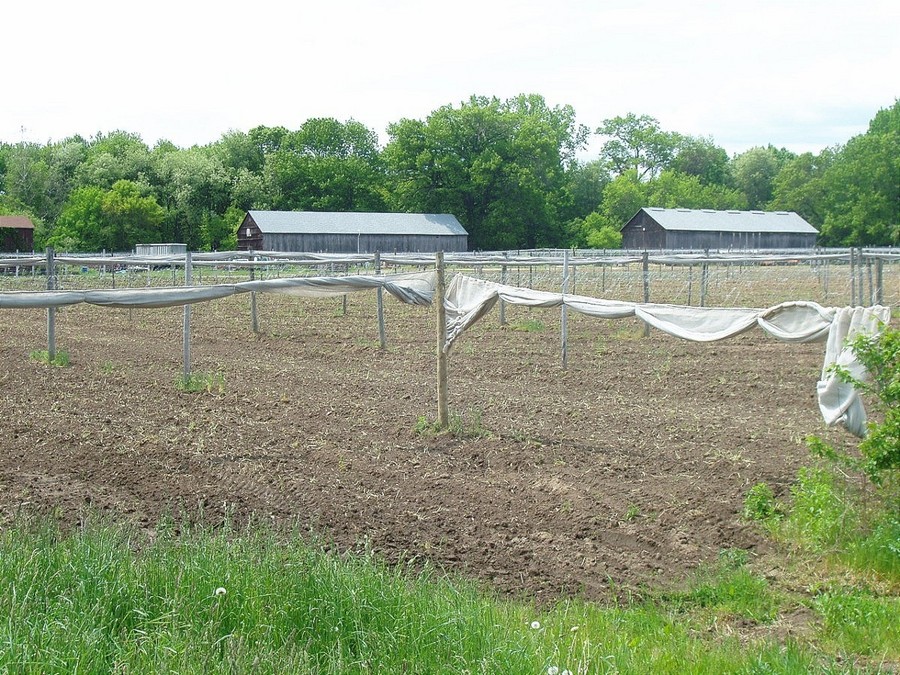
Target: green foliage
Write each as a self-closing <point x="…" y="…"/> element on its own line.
<point x="880" y="449"/>
<point x="109" y="599"/>
<point x="754" y="172"/>
<point x="728" y="589"/>
<point x="859" y="617"/>
<point x="194" y="383"/>
<point x="529" y="325"/>
<point x="637" y="144"/>
<point x="61" y="359"/>
<point x="499" y="166"/>
<point x="460" y="426"/>
<point x="760" y="505"/>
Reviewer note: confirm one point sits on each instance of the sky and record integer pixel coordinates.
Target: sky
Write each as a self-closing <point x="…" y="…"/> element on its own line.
<point x="799" y="74"/>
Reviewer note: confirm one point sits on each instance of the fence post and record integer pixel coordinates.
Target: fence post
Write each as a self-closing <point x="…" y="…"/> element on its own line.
<point x="187" y="318"/>
<point x="254" y="319"/>
<point x="860" y="285"/>
<point x="704" y="278"/>
<point x="871" y="298"/>
<point x="564" y="318"/>
<point x="645" y="265"/>
<point x="442" y="387"/>
<point x="502" y="303"/>
<point x="51" y="311"/>
<point x="879" y="281"/>
<point x="379" y="295"/>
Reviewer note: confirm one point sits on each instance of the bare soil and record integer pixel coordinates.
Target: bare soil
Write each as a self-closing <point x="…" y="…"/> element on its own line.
<point x="627" y="469"/>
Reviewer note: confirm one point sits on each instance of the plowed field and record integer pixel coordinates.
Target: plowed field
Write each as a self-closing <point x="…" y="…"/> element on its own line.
<point x="628" y="468"/>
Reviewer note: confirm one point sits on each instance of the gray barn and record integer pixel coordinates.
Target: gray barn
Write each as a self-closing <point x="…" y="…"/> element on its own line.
<point x="698" y="229"/>
<point x="351" y="232"/>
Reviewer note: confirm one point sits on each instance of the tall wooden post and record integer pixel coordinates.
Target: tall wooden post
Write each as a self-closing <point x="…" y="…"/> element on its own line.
<point x="645" y="274"/>
<point x="564" y="318"/>
<point x="704" y="278"/>
<point x="254" y="319"/>
<point x="443" y="419"/>
<point x="503" y="304"/>
<point x="879" y="281"/>
<point x="51" y="311"/>
<point x="187" y="318"/>
<point x="379" y="296"/>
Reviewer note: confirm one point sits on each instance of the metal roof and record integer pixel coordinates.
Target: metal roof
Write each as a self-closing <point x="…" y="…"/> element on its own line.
<point x="707" y="220"/>
<point x="16" y="222"/>
<point x="331" y="222"/>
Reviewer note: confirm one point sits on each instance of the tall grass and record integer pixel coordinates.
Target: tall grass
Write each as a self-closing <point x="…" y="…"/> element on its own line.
<point x="107" y="599"/>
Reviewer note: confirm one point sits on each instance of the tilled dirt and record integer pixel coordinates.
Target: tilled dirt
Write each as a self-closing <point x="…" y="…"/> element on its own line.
<point x="626" y="469"/>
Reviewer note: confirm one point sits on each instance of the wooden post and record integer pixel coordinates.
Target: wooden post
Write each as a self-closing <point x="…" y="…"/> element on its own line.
<point x="442" y="388"/>
<point x="860" y="285"/>
<point x="379" y="295"/>
<point x="879" y="281"/>
<point x="645" y="273"/>
<point x="503" y="304"/>
<point x="852" y="278"/>
<point x="254" y="318"/>
<point x="51" y="311"/>
<point x="704" y="278"/>
<point x="870" y="299"/>
<point x="690" y="283"/>
<point x="187" y="319"/>
<point x="564" y="319"/>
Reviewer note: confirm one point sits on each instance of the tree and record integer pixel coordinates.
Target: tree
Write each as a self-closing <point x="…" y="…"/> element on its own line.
<point x="94" y="219"/>
<point x="113" y="157"/>
<point x="800" y="186"/>
<point x="326" y="165"/>
<point x="862" y="185"/>
<point x="702" y="158"/>
<point x="636" y="143"/>
<point x="499" y="166"/>
<point x="754" y="173"/>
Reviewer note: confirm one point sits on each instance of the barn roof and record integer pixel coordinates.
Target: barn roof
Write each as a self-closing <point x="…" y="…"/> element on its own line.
<point x="330" y="222"/>
<point x="707" y="220"/>
<point x="16" y="222"/>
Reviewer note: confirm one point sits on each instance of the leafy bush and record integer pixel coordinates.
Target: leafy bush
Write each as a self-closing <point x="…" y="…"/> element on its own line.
<point x="880" y="450"/>
<point x="760" y="505"/>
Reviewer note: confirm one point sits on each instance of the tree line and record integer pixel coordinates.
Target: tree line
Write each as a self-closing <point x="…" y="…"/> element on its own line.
<point x="509" y="170"/>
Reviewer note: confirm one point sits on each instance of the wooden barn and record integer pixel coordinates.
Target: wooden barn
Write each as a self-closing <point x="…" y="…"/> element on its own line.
<point x="699" y="229"/>
<point x="16" y="234"/>
<point x="350" y="232"/>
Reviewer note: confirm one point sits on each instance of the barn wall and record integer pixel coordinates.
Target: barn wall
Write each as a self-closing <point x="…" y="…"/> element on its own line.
<point x="250" y="237"/>
<point x="361" y="243"/>
<point x="739" y="240"/>
<point x="16" y="239"/>
<point x="642" y="232"/>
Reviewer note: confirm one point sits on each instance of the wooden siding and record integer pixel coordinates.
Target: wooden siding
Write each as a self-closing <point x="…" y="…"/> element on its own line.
<point x="643" y="232"/>
<point x="357" y="243"/>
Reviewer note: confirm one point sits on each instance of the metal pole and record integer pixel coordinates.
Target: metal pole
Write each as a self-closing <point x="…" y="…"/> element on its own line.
<point x="379" y="295"/>
<point x="442" y="386"/>
<point x="51" y="311"/>
<point x="187" y="319"/>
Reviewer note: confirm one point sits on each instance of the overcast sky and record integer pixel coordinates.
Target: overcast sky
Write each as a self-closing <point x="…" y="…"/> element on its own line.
<point x="803" y="74"/>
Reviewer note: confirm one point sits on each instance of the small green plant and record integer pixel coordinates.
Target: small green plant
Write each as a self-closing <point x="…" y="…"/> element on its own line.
<point x="469" y="426"/>
<point x="632" y="512"/>
<point x="107" y="368"/>
<point x="194" y="383"/>
<point x="529" y="325"/>
<point x="61" y="359"/>
<point x="760" y="505"/>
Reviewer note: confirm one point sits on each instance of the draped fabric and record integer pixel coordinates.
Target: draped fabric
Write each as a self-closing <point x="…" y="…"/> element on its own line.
<point x="415" y="289"/>
<point x="469" y="299"/>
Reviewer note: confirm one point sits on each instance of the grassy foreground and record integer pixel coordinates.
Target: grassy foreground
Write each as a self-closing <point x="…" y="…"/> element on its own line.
<point x="106" y="599"/>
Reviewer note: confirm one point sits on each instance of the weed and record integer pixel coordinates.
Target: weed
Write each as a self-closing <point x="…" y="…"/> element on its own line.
<point x="632" y="512"/>
<point x="61" y="359"/>
<point x="760" y="505"/>
<point x="194" y="383"/>
<point x="462" y="427"/>
<point x="529" y="325"/>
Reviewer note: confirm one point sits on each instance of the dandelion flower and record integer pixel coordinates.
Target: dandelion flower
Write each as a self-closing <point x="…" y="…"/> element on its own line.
<point x="220" y="591"/>
<point x="536" y="625"/>
<point x="552" y="670"/>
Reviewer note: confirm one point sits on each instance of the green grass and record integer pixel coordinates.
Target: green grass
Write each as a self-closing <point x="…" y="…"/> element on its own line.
<point x="107" y="599"/>
<point x="61" y="359"/>
<point x="198" y="382"/>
